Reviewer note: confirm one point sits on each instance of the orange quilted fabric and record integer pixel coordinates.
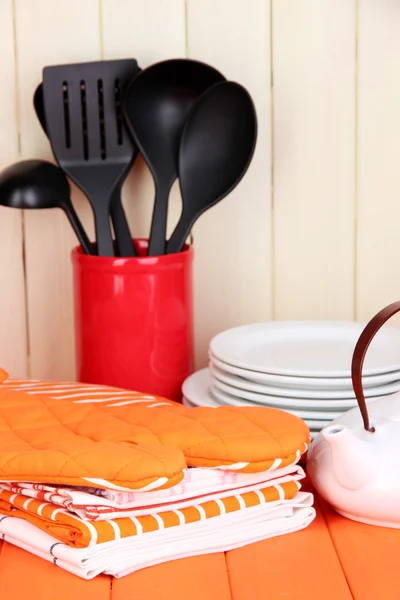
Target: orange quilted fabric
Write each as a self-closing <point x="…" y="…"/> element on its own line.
<point x="104" y="437"/>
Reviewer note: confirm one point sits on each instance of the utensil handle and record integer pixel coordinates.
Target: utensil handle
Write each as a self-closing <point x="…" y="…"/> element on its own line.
<point x="79" y="230"/>
<point x="105" y="245"/>
<point x="123" y="237"/>
<point x="178" y="238"/>
<point x="159" y="221"/>
<point x="360" y="350"/>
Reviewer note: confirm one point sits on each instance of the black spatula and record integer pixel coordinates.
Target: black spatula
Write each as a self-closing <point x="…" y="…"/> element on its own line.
<point x="123" y="237"/>
<point x="91" y="146"/>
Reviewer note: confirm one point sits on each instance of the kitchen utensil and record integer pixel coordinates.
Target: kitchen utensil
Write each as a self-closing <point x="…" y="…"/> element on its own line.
<point x="38" y="106"/>
<point x="354" y="463"/>
<point x="82" y="107"/>
<point x="239" y="387"/>
<point x="215" y="152"/>
<point x="301" y="383"/>
<point x="123" y="238"/>
<point x="305" y="348"/>
<point x="40" y="184"/>
<point x="156" y="105"/>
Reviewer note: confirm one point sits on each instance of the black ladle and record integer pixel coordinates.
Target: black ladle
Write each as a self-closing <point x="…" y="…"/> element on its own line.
<point x="216" y="149"/>
<point x="123" y="237"/>
<point x="156" y="105"/>
<point x="39" y="184"/>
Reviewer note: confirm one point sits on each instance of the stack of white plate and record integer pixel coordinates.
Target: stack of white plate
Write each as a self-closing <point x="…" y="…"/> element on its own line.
<point x="303" y="367"/>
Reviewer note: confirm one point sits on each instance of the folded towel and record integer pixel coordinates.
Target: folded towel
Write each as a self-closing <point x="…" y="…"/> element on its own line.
<point x="199" y="485"/>
<point x="122" y="557"/>
<point x="79" y="533"/>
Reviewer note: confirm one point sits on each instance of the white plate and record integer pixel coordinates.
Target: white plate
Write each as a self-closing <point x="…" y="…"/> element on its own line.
<point x="303" y="383"/>
<point x="314" y="426"/>
<point x="188" y="404"/>
<point x="238" y="387"/>
<point x="306" y="348"/>
<point x="197" y="390"/>
<point x="282" y="402"/>
<point x="195" y="394"/>
<point x="289" y="404"/>
<point x="312" y="417"/>
<point x="318" y="425"/>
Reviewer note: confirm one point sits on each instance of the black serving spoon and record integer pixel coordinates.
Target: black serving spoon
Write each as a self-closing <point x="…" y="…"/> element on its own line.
<point x="39" y="184"/>
<point x="156" y="105"/>
<point x="216" y="149"/>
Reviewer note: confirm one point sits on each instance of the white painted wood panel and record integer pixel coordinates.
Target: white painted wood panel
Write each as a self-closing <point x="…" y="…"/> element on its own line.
<point x="324" y="244"/>
<point x="50" y="33"/>
<point x="378" y="238"/>
<point x="233" y="241"/>
<point x="13" y="338"/>
<point x="314" y="158"/>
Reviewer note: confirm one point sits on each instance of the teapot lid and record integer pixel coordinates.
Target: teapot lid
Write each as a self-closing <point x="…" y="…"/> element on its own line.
<point x="360" y="350"/>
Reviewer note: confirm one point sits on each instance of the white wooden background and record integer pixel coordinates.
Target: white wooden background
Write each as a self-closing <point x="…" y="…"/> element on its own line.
<point x="313" y="230"/>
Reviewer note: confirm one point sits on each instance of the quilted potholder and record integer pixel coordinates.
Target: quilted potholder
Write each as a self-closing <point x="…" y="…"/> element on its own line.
<point x="69" y="433"/>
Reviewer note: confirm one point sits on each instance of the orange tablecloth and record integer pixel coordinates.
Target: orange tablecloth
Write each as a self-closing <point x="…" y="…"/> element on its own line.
<point x="333" y="559"/>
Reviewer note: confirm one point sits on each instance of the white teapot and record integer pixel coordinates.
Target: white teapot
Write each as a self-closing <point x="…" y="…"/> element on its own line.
<point x="354" y="463"/>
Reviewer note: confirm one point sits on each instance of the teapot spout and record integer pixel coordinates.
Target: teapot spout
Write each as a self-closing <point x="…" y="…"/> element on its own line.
<point x="354" y="460"/>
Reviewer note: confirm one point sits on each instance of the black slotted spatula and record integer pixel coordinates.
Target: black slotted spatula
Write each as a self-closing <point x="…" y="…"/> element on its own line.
<point x="92" y="146"/>
<point x="123" y="237"/>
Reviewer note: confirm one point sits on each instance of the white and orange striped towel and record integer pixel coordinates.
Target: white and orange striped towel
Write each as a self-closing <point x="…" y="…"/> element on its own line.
<point x="81" y="533"/>
<point x="124" y="556"/>
<point x="198" y="487"/>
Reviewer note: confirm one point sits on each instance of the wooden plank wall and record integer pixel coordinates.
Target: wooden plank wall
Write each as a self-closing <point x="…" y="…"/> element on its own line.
<point x="312" y="232"/>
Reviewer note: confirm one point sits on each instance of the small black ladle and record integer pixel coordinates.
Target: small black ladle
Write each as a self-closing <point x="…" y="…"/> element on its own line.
<point x="215" y="151"/>
<point x="40" y="184"/>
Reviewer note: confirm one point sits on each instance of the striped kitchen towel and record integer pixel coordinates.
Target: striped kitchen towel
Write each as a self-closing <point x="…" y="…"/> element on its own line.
<point x="80" y="533"/>
<point x="121" y="557"/>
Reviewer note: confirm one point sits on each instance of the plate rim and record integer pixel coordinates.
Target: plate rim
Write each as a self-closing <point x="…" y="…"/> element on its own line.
<point x="262" y="376"/>
<point x="297" y="403"/>
<point x="319" y="407"/>
<point x="313" y="394"/>
<point x="297" y="324"/>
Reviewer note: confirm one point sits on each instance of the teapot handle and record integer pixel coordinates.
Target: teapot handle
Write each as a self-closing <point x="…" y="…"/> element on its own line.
<point x="360" y="350"/>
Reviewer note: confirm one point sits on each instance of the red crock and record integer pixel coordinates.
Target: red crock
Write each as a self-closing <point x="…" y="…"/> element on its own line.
<point x="134" y="320"/>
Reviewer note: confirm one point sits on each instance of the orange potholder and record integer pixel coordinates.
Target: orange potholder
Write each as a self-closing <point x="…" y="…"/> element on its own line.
<point x="133" y="440"/>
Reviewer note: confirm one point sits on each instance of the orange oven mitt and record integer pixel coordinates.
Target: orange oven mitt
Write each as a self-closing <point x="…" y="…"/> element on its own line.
<point x="133" y="441"/>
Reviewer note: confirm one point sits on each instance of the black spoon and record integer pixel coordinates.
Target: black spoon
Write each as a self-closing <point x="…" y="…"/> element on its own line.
<point x="216" y="149"/>
<point x="156" y="105"/>
<point x="123" y="237"/>
<point x="39" y="184"/>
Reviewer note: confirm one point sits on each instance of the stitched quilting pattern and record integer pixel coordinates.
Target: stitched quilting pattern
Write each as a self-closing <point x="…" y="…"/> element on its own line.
<point x="75" y="434"/>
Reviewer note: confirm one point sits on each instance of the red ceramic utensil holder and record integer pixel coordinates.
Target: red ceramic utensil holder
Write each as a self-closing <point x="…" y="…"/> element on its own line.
<point x="134" y="320"/>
